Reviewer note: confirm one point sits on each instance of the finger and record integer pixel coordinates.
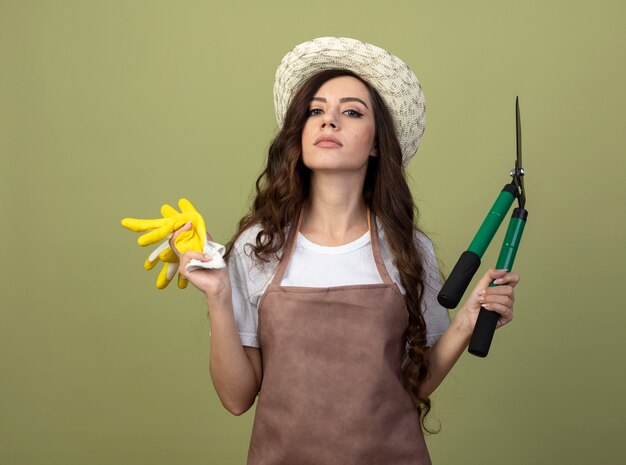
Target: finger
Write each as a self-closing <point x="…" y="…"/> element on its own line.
<point x="506" y="313"/>
<point x="167" y="211"/>
<point x="200" y="229"/>
<point x="153" y="258"/>
<point x="192" y="255"/>
<point x="165" y="276"/>
<point x="186" y="206"/>
<point x="484" y="281"/>
<point x="185" y="227"/>
<point x="503" y="289"/>
<point x="509" y="278"/>
<point x="181" y="220"/>
<point x="171" y="271"/>
<point x="156" y="252"/>
<point x="198" y="222"/>
<point x="187" y="258"/>
<point x="148" y="265"/>
<point x="182" y="265"/>
<point x="139" y="225"/>
<point x="173" y="240"/>
<point x="496" y="274"/>
<point x="182" y="282"/>
<point x="182" y="240"/>
<point x="156" y="235"/>
<point x="168" y="255"/>
<point x="198" y="242"/>
<point x="505" y="300"/>
<point x="188" y="241"/>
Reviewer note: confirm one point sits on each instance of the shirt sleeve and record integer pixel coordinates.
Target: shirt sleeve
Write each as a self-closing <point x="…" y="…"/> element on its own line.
<point x="436" y="316"/>
<point x="244" y="304"/>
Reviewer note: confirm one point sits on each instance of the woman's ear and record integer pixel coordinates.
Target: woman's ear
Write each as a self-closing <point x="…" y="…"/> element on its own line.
<point x="374" y="151"/>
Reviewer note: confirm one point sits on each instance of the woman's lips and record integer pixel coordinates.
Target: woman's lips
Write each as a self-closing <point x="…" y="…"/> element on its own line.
<point x="328" y="141"/>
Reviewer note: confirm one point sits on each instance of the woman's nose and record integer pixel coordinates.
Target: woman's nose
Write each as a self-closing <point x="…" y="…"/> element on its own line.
<point x="329" y="121"/>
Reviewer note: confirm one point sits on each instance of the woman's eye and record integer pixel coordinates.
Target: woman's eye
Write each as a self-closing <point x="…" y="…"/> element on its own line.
<point x="315" y="111"/>
<point x="353" y="113"/>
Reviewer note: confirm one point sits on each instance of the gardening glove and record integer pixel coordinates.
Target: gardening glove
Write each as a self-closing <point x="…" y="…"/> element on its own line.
<point x="162" y="229"/>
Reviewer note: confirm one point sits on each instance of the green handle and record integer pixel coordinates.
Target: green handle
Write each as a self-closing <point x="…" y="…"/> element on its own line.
<point x="493" y="220"/>
<point x="511" y="243"/>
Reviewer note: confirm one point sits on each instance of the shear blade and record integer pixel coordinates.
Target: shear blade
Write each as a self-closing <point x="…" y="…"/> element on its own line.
<point x="518" y="176"/>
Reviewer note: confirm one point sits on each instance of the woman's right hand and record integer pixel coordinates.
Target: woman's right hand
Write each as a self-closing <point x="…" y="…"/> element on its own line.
<point x="214" y="283"/>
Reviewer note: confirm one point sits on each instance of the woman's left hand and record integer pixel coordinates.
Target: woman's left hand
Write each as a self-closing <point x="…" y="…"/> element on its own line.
<point x="499" y="299"/>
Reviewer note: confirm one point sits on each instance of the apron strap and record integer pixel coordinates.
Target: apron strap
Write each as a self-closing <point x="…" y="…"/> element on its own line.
<point x="378" y="258"/>
<point x="290" y="244"/>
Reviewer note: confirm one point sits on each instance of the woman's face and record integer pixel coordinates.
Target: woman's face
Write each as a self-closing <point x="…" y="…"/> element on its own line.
<point x="340" y="131"/>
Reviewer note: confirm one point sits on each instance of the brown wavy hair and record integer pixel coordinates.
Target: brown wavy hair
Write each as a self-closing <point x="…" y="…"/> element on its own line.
<point x="284" y="186"/>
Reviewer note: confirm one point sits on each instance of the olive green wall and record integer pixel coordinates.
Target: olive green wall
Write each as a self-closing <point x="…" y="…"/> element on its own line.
<point x="109" y="109"/>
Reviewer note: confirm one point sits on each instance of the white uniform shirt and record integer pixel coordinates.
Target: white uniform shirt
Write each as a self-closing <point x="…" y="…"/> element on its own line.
<point x="313" y="265"/>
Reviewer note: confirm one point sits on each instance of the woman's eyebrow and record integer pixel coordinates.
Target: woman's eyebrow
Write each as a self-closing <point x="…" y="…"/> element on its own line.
<point x="342" y="100"/>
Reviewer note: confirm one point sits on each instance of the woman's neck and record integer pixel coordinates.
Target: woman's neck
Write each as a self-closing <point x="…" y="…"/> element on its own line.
<point x="335" y="212"/>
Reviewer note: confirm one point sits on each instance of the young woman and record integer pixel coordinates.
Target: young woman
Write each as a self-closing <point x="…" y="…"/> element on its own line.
<point x="327" y="309"/>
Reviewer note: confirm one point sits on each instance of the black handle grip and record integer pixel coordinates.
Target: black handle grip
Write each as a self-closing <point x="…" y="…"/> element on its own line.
<point x="456" y="284"/>
<point x="483" y="333"/>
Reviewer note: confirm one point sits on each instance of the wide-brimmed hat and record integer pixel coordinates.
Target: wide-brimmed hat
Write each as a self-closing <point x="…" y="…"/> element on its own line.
<point x="388" y="74"/>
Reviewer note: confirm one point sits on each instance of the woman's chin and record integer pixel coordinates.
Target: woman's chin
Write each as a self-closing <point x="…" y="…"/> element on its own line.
<point x="335" y="164"/>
